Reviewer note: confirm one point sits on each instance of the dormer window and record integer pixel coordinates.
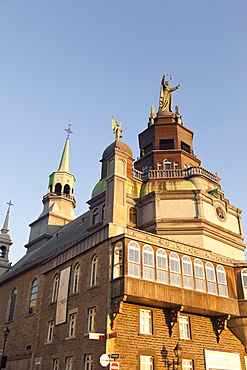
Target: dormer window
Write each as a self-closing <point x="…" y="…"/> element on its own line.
<point x="95" y="216"/>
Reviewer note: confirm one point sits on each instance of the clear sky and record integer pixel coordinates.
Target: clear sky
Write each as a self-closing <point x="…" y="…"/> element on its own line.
<point x="80" y="62"/>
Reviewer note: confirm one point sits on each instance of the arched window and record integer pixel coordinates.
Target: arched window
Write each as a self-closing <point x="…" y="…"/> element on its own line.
<point x="167" y="163"/>
<point x="199" y="275"/>
<point x="58" y="188"/>
<point x="161" y="266"/>
<point x="2" y="251"/>
<point x="189" y="165"/>
<point x="55" y="288"/>
<point x="76" y="277"/>
<point x="222" y="283"/>
<point x="94" y="270"/>
<point x="159" y="166"/>
<point x="133" y="259"/>
<point x="148" y="262"/>
<point x="33" y="296"/>
<point x="175" y="165"/>
<point x="95" y="216"/>
<point x="211" y="279"/>
<point x="103" y="212"/>
<point x="132" y="215"/>
<point x="66" y="189"/>
<point x="188" y="280"/>
<point x="12" y="304"/>
<point x="175" y="269"/>
<point x="244" y="282"/>
<point x="118" y="260"/>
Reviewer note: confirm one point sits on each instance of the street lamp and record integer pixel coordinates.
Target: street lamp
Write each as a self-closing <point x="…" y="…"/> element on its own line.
<point x="178" y="354"/>
<point x="4" y="358"/>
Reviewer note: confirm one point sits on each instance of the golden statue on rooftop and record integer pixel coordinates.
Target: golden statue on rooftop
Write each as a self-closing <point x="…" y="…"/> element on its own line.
<point x="116" y="127"/>
<point x="165" y="103"/>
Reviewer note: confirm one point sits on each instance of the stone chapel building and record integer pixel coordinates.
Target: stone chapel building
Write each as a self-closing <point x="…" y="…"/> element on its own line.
<point x="152" y="275"/>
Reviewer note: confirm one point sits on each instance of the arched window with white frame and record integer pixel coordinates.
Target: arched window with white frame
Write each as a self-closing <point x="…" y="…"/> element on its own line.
<point x="118" y="260"/>
<point x="94" y="270"/>
<point x="222" y="282"/>
<point x="167" y="164"/>
<point x="175" y="269"/>
<point x="244" y="282"/>
<point x="148" y="262"/>
<point x="159" y="166"/>
<point x="133" y="259"/>
<point x="76" y="277"/>
<point x="199" y="275"/>
<point x="161" y="266"/>
<point x="211" y="278"/>
<point x="188" y="281"/>
<point x="33" y="296"/>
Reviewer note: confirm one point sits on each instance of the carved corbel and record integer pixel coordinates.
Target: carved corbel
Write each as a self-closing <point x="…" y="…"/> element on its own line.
<point x="173" y="314"/>
<point x="220" y="325"/>
<point x="115" y="309"/>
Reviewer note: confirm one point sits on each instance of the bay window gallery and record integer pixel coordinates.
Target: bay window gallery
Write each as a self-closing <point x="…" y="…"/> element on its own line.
<point x="168" y="267"/>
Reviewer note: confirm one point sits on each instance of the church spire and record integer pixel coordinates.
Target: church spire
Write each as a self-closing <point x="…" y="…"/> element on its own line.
<point x="5" y="243"/>
<point x="59" y="202"/>
<point x="64" y="163"/>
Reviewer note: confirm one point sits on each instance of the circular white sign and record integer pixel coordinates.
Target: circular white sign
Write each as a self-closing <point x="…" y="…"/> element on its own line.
<point x="104" y="360"/>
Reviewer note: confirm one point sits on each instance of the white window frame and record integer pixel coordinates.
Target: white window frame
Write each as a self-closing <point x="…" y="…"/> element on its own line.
<point x="118" y="260"/>
<point x="244" y="282"/>
<point x="184" y="327"/>
<point x="94" y="270"/>
<point x="51" y="325"/>
<point x="148" y="262"/>
<point x="146" y="326"/>
<point x="175" y="269"/>
<point x="69" y="363"/>
<point x="211" y="278"/>
<point x="55" y="287"/>
<point x="133" y="259"/>
<point x="55" y="364"/>
<point x="146" y="362"/>
<point x="222" y="282"/>
<point x="76" y="278"/>
<point x="199" y="275"/>
<point x="188" y="280"/>
<point x="161" y="266"/>
<point x="72" y="325"/>
<point x="187" y="364"/>
<point x="88" y="361"/>
<point x="167" y="164"/>
<point x="91" y="319"/>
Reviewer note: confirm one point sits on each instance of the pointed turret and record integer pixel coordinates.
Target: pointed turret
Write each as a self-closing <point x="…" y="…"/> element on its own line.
<point x="5" y="243"/>
<point x="59" y="203"/>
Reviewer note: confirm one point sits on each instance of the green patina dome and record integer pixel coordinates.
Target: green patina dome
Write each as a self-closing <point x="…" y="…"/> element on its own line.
<point x="99" y="188"/>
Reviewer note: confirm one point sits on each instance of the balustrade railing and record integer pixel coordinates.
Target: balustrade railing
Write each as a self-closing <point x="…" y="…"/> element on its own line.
<point x="176" y="173"/>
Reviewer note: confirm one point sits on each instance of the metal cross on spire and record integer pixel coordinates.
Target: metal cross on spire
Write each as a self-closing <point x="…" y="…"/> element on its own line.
<point x="9" y="205"/>
<point x="69" y="130"/>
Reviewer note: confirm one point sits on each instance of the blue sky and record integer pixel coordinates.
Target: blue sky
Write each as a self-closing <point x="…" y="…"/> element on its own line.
<point x="80" y="62"/>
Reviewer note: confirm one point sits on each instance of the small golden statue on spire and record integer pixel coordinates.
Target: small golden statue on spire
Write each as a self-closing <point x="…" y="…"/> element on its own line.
<point x="165" y="103"/>
<point x="116" y="127"/>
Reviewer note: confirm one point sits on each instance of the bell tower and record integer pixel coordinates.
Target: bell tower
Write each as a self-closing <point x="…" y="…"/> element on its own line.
<point x="5" y="243"/>
<point x="58" y="203"/>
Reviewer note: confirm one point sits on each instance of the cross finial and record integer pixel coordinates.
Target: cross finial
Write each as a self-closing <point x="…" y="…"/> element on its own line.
<point x="68" y="130"/>
<point x="9" y="205"/>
